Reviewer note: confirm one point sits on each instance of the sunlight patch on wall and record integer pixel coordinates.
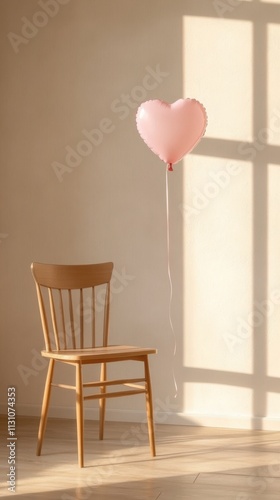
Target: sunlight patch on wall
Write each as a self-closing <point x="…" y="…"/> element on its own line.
<point x="273" y="111"/>
<point x="221" y="401"/>
<point x="273" y="405"/>
<point x="272" y="302"/>
<point x="217" y="235"/>
<point x="217" y="67"/>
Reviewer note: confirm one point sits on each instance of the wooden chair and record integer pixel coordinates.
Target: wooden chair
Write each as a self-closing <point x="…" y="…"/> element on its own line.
<point x="70" y="299"/>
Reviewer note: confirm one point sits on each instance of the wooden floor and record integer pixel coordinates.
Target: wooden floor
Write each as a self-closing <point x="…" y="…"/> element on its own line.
<point x="191" y="463"/>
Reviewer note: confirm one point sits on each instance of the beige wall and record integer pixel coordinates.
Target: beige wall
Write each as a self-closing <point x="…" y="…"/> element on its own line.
<point x="83" y="67"/>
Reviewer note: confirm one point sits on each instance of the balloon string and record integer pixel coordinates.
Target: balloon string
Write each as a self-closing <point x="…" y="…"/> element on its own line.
<point x="169" y="276"/>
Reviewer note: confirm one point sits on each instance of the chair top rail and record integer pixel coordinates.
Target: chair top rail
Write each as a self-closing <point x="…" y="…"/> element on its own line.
<point x="71" y="276"/>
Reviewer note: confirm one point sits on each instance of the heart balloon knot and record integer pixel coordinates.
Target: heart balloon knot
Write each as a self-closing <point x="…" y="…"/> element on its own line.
<point x="169" y="167"/>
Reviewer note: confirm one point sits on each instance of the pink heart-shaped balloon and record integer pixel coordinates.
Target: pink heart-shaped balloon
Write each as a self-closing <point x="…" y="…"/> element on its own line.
<point x="171" y="130"/>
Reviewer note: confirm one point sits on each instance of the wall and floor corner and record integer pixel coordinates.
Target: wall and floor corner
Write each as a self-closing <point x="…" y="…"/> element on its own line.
<point x="79" y="185"/>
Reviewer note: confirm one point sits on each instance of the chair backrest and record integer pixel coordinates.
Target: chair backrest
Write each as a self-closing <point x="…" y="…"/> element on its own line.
<point x="74" y="303"/>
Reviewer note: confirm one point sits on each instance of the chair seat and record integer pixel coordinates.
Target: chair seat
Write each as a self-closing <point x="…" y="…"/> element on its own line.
<point x="100" y="353"/>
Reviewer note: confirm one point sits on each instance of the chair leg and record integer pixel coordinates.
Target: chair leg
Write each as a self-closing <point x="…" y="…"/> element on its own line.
<point x="102" y="401"/>
<point x="149" y="406"/>
<point x="80" y="414"/>
<point x="45" y="407"/>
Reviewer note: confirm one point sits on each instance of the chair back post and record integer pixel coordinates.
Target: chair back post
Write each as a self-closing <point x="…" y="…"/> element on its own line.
<point x="54" y="320"/>
<point x="106" y="316"/>
<point x="43" y="318"/>
<point x="81" y="319"/>
<point x="93" y="338"/>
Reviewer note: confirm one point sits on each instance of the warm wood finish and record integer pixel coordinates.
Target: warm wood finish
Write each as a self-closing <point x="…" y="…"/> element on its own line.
<point x="192" y="463"/>
<point x="70" y="300"/>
